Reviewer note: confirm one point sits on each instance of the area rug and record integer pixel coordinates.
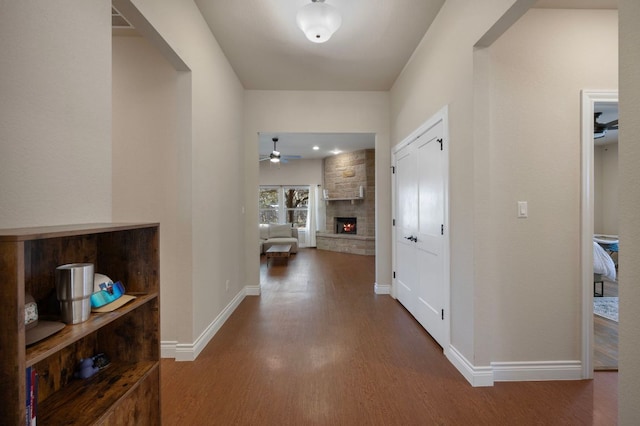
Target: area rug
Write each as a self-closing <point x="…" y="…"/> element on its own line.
<point x="606" y="307"/>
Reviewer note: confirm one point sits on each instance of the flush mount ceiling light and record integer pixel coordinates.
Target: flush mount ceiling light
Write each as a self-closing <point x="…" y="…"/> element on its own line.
<point x="318" y="21"/>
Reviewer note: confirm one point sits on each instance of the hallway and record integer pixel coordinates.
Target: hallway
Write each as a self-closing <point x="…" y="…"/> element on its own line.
<point x="318" y="347"/>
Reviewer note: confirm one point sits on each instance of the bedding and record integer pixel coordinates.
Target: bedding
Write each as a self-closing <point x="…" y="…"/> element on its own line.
<point x="603" y="263"/>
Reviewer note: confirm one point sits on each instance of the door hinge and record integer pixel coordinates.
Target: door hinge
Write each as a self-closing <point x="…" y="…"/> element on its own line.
<point x="393" y="170"/>
<point x="440" y="140"/>
<point x="394" y="222"/>
<point x="442" y="312"/>
<point x="394" y="274"/>
<point x="442" y="229"/>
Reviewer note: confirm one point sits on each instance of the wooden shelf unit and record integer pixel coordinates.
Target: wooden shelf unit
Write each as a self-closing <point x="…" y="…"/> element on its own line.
<point x="125" y="392"/>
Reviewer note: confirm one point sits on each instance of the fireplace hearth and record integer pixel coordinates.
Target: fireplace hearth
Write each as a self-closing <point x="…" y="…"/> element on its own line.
<point x="346" y="225"/>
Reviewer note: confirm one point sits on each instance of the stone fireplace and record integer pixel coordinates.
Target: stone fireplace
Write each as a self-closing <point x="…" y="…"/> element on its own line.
<point x="349" y="194"/>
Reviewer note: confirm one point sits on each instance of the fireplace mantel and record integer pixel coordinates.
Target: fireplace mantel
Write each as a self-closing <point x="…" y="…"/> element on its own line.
<point x="352" y="199"/>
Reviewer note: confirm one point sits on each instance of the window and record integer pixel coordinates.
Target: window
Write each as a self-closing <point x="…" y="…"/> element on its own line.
<point x="269" y="205"/>
<point x="284" y="204"/>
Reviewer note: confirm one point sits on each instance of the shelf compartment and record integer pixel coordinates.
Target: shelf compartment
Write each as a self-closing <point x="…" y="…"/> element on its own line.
<point x="96" y="400"/>
<point x="129" y="335"/>
<point x="72" y="333"/>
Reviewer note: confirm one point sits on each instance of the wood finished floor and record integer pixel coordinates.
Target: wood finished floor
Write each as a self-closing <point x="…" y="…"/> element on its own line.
<point x="605" y="333"/>
<point x="318" y="347"/>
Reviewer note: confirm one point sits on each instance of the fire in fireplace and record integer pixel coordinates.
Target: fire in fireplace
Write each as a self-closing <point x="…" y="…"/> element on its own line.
<point x="346" y="225"/>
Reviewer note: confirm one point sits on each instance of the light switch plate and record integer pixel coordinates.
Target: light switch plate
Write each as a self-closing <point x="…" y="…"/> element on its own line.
<point x="523" y="209"/>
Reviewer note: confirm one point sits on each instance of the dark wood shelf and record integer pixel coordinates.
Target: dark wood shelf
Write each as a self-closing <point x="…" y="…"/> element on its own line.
<point x="39" y="233"/>
<point x="72" y="333"/>
<point x="84" y="402"/>
<point x="125" y="392"/>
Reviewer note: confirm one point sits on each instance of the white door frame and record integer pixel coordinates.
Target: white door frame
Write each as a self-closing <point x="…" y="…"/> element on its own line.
<point x="441" y="115"/>
<point x="589" y="99"/>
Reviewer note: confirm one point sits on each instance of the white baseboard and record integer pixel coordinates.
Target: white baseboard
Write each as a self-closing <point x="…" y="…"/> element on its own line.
<point x="514" y="371"/>
<point x="168" y="348"/>
<point x="382" y="288"/>
<point x="252" y="290"/>
<point x="476" y="376"/>
<point x="190" y="351"/>
<point x="536" y="371"/>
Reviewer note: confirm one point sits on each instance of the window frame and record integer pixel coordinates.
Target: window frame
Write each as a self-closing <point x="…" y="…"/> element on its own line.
<point x="282" y="211"/>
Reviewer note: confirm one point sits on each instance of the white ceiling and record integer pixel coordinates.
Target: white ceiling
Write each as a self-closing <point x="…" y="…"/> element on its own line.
<point x="269" y="52"/>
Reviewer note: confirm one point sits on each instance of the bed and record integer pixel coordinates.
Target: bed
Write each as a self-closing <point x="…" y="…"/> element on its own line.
<point x="603" y="264"/>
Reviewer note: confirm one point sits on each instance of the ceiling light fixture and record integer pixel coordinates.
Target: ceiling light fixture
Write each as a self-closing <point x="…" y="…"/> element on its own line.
<point x="318" y="21"/>
<point x="315" y="148"/>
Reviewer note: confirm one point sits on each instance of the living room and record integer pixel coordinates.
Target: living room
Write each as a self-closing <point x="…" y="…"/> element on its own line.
<point x="320" y="179"/>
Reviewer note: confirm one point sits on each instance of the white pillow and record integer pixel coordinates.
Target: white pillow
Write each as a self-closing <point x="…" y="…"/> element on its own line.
<point x="264" y="231"/>
<point x="279" y="231"/>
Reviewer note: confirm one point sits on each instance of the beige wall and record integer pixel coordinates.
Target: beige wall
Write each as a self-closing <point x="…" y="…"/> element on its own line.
<point x="213" y="139"/>
<point x="538" y="68"/>
<point x="629" y="346"/>
<point x="294" y="172"/>
<point x="605" y="187"/>
<point x="151" y="169"/>
<point x="55" y="104"/>
<point x="597" y="189"/>
<point x="333" y="112"/>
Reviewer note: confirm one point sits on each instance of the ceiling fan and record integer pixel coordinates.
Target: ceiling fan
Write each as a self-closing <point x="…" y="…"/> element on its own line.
<point x="276" y="157"/>
<point x="600" y="129"/>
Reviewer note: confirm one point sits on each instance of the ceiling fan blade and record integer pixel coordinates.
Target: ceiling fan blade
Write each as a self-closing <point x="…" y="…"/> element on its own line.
<point x="264" y="159"/>
<point x="612" y="125"/>
<point x="292" y="157"/>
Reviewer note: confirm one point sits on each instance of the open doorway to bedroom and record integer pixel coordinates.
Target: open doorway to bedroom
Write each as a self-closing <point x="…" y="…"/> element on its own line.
<point x="600" y="230"/>
<point x="605" y="236"/>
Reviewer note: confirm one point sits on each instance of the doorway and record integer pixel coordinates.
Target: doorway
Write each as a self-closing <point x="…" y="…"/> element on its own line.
<point x="589" y="101"/>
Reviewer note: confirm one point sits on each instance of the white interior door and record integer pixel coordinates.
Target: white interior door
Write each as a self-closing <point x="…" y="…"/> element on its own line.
<point x="430" y="236"/>
<point x="421" y="238"/>
<point x="406" y="227"/>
